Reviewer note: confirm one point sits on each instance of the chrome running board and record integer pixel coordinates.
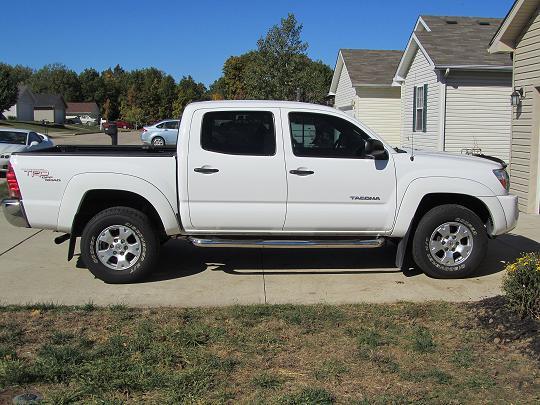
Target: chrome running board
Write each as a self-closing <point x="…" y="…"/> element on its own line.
<point x="287" y="244"/>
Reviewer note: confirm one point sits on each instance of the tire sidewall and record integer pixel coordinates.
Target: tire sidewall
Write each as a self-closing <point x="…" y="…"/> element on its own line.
<point x="433" y="219"/>
<point x="148" y="246"/>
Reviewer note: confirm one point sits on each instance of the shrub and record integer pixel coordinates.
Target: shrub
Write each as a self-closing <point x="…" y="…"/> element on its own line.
<point x="521" y="285"/>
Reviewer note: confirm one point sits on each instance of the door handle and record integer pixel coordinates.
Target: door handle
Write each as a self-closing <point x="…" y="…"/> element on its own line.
<point x="205" y="170"/>
<point x="301" y="172"/>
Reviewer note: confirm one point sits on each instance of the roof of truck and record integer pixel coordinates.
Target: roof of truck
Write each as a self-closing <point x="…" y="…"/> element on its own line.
<point x="259" y="104"/>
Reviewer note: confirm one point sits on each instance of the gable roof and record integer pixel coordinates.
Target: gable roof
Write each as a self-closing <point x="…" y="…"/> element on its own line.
<point x="49" y="100"/>
<point x="366" y="67"/>
<point x="83" y="107"/>
<point x="513" y="24"/>
<point x="454" y="42"/>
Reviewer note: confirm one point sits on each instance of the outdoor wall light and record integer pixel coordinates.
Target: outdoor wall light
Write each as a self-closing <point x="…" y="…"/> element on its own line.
<point x="516" y="96"/>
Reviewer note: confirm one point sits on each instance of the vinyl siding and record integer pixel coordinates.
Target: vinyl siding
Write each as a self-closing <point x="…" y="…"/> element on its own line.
<point x="421" y="73"/>
<point x="345" y="92"/>
<point x="525" y="128"/>
<point x="478" y="112"/>
<point x="380" y="109"/>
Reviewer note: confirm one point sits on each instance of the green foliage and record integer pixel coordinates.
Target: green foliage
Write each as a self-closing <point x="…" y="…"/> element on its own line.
<point x="8" y="88"/>
<point x="521" y="285"/>
<point x="276" y="70"/>
<point x="187" y="91"/>
<point x="56" y="79"/>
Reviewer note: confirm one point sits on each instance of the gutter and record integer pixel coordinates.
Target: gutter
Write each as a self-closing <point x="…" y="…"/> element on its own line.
<point x="474" y="67"/>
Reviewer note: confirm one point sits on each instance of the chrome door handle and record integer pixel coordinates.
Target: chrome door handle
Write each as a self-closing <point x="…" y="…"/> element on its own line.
<point x="301" y="172"/>
<point x="205" y="170"/>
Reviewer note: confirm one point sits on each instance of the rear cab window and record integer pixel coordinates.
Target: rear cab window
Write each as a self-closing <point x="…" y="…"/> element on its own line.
<point x="239" y="133"/>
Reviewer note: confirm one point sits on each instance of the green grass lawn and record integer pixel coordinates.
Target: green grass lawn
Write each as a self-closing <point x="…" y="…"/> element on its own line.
<point x="3" y="189"/>
<point x="358" y="354"/>
<point x="58" y="128"/>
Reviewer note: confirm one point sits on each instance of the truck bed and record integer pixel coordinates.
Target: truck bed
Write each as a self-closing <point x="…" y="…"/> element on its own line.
<point x="104" y="150"/>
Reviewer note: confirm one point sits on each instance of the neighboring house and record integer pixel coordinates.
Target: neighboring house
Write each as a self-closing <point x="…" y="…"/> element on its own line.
<point x="50" y="107"/>
<point x="519" y="35"/>
<point x="37" y="107"/>
<point x="86" y="108"/>
<point x="454" y="92"/>
<point x="23" y="109"/>
<point x="362" y="87"/>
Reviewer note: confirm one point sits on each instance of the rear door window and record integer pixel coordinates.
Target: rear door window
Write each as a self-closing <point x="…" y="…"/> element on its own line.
<point x="239" y="133"/>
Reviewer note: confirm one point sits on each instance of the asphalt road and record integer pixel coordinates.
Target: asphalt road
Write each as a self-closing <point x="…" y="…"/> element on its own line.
<point x="34" y="269"/>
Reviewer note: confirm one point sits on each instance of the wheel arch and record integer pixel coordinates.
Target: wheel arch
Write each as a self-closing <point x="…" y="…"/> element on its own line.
<point x="99" y="191"/>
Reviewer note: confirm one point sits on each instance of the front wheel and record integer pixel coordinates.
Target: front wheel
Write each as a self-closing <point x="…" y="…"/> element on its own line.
<point x="450" y="242"/>
<point x="119" y="245"/>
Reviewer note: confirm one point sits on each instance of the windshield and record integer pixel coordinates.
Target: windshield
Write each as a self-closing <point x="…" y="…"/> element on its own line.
<point x="15" y="138"/>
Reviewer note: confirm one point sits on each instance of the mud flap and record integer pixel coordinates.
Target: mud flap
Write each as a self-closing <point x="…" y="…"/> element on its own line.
<point x="403" y="255"/>
<point x="71" y="247"/>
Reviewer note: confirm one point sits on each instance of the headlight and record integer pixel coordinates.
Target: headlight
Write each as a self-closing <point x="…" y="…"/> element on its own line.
<point x="503" y="178"/>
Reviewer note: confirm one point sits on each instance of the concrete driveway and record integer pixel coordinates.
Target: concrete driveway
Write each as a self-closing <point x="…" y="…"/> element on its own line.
<point x="34" y="269"/>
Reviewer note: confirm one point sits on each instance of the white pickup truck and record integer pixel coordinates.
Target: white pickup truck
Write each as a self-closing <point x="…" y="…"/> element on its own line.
<point x="263" y="174"/>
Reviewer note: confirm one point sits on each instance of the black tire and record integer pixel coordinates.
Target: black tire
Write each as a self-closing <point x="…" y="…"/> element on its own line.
<point x="135" y="222"/>
<point x="158" y="138"/>
<point x="423" y="242"/>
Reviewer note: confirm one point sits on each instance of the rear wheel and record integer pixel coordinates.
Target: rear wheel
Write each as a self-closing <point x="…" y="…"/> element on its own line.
<point x="450" y="242"/>
<point x="158" y="141"/>
<point x="119" y="245"/>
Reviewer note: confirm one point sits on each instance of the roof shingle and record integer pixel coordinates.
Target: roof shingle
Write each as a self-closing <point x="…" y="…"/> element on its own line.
<point x="371" y="67"/>
<point x="461" y="41"/>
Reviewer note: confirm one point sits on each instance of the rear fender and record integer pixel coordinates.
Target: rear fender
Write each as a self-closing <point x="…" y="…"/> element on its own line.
<point x="80" y="184"/>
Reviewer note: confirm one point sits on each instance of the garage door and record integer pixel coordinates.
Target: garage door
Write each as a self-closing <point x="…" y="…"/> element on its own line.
<point x="44" y="113"/>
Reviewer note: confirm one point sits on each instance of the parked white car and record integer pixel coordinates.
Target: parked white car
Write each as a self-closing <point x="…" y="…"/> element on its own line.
<point x="19" y="140"/>
<point x="81" y="119"/>
<point x="263" y="174"/>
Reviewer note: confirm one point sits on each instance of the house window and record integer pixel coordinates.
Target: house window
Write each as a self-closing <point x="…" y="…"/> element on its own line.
<point x="420" y="108"/>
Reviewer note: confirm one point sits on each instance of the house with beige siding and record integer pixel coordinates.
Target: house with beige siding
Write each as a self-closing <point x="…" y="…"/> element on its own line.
<point x="362" y="86"/>
<point x="454" y="92"/>
<point x="519" y="38"/>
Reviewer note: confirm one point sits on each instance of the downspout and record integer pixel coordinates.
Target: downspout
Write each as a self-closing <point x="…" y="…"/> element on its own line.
<point x="442" y="106"/>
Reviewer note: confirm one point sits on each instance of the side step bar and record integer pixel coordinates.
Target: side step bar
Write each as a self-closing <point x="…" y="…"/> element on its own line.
<point x="281" y="243"/>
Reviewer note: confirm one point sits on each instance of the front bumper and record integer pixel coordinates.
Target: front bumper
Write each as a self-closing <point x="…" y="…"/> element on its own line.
<point x="14" y="213"/>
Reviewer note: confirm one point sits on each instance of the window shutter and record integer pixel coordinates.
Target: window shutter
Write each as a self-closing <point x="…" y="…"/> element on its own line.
<point x="414" y="110"/>
<point x="424" y="111"/>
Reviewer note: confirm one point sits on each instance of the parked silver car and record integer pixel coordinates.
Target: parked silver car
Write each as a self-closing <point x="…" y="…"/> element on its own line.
<point x="18" y="140"/>
<point x="161" y="133"/>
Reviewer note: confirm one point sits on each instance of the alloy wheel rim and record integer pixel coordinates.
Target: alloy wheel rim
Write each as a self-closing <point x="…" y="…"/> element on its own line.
<point x="158" y="142"/>
<point x="451" y="244"/>
<point x="118" y="247"/>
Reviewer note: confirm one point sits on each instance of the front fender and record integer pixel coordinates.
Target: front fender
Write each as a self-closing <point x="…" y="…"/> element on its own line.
<point x="80" y="184"/>
<point x="420" y="187"/>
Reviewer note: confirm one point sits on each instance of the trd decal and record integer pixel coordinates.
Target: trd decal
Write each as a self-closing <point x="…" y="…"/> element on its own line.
<point x="41" y="173"/>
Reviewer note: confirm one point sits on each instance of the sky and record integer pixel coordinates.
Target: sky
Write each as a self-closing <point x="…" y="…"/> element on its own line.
<point x="195" y="37"/>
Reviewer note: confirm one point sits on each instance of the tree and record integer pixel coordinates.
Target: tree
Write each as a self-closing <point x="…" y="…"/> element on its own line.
<point x="276" y="70"/>
<point x="188" y="91"/>
<point x="56" y="78"/>
<point x="92" y="86"/>
<point x="8" y="88"/>
<point x="21" y="73"/>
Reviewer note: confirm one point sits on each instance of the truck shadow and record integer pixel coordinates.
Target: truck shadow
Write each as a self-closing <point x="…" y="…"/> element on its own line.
<point x="180" y="259"/>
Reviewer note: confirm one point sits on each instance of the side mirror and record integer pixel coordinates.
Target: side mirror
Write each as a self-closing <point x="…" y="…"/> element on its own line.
<point x="375" y="149"/>
<point x="34" y="143"/>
